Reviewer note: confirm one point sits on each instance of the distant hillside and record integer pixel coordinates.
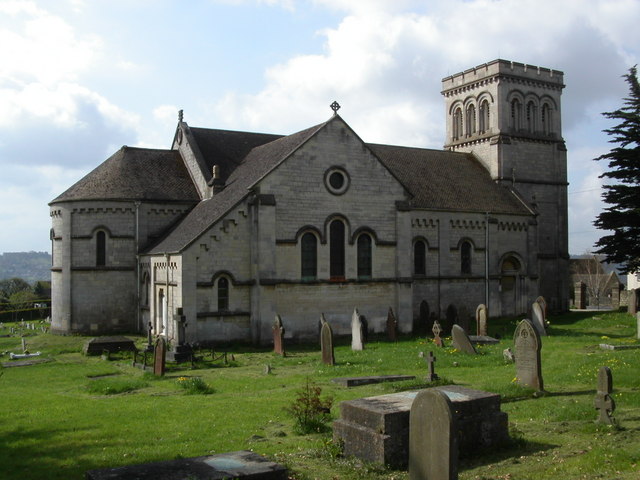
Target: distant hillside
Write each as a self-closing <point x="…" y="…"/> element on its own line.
<point x="30" y="266"/>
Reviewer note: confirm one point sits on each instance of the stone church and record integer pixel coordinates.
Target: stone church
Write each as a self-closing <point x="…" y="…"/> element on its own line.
<point x="234" y="227"/>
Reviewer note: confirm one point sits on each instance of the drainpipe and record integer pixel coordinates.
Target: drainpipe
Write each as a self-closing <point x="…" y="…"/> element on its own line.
<point x="486" y="259"/>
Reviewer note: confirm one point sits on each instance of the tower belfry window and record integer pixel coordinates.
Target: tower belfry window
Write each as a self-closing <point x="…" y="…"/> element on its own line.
<point x="516" y="112"/>
<point x="471" y="120"/>
<point x="457" y="123"/>
<point x="484" y="117"/>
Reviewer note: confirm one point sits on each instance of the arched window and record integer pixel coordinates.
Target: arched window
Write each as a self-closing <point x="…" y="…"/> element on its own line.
<point x="457" y="123"/>
<point x="484" y="116"/>
<point x="419" y="258"/>
<point x="465" y="258"/>
<point x="223" y="294"/>
<point x="51" y="237"/>
<point x="471" y="120"/>
<point x="516" y="112"/>
<point x="101" y="248"/>
<point x="364" y="256"/>
<point x="336" y="250"/>
<point x="145" y="290"/>
<point x="546" y="119"/>
<point x="309" y="256"/>
<point x="531" y="117"/>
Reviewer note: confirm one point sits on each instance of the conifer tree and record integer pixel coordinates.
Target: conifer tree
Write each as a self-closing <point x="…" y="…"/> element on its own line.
<point x="622" y="216"/>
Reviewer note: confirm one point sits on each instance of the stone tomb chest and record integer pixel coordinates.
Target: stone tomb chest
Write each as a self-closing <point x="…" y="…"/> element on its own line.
<point x="376" y="429"/>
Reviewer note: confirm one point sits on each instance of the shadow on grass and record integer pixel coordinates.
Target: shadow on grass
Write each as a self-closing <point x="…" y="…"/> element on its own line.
<point x="564" y="332"/>
<point x="36" y="453"/>
<point x="515" y="448"/>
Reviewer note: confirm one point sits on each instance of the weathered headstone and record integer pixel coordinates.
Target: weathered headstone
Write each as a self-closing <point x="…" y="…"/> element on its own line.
<point x="437" y="330"/>
<point x="461" y="340"/>
<point x="326" y="344"/>
<point x="538" y="318"/>
<point x="603" y="401"/>
<point x="528" y="366"/>
<point x="432" y="376"/>
<point x="278" y="336"/>
<point x="433" y="439"/>
<point x="24" y="345"/>
<point x="321" y="322"/>
<point x="392" y="326"/>
<point x="481" y="320"/>
<point x="356" y="331"/>
<point x="632" y="301"/>
<point x="159" y="356"/>
<point x="508" y="355"/>
<point x="180" y="351"/>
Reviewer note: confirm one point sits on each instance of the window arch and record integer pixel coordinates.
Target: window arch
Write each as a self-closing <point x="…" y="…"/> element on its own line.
<point x="516" y="112"/>
<point x="419" y="258"/>
<point x="101" y="248"/>
<point x="223" y="294"/>
<point x="465" y="257"/>
<point x="336" y="249"/>
<point x="484" y="116"/>
<point x="309" y="256"/>
<point x="471" y="120"/>
<point x="546" y="119"/>
<point x="531" y="117"/>
<point x="364" y="256"/>
<point x="457" y="123"/>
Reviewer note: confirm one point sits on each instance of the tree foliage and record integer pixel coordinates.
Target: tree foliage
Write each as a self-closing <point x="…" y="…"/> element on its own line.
<point x="622" y="216"/>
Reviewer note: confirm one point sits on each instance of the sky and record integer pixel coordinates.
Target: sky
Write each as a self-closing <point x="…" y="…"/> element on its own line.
<point x="81" y="78"/>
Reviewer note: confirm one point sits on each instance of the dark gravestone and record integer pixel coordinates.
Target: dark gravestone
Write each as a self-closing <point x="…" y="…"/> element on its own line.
<point x="538" y="318"/>
<point x="580" y="295"/>
<point x="357" y="342"/>
<point x="233" y="465"/>
<point x="278" y="336"/>
<point x="482" y="316"/>
<point x="543" y="305"/>
<point x="632" y="301"/>
<point x="321" y="322"/>
<point x="392" y="326"/>
<point x="376" y="429"/>
<point x="431" y="375"/>
<point x="433" y="439"/>
<point x="326" y="344"/>
<point x="451" y="318"/>
<point x="528" y="345"/>
<point x="437" y="330"/>
<point x="461" y="340"/>
<point x="96" y="346"/>
<point x="181" y="351"/>
<point x="603" y="401"/>
<point x="159" y="357"/>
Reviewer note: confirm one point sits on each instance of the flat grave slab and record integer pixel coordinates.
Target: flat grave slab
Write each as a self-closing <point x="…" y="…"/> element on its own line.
<point x="97" y="345"/>
<point x="357" y="381"/>
<point x="234" y="465"/>
<point x="606" y="346"/>
<point x="25" y="363"/>
<point x="483" y="340"/>
<point x="376" y="429"/>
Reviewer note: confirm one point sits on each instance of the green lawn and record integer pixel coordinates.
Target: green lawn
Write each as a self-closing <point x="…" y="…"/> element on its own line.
<point x="76" y="413"/>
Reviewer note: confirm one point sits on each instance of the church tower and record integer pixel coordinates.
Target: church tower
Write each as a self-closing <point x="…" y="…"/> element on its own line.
<point x="508" y="115"/>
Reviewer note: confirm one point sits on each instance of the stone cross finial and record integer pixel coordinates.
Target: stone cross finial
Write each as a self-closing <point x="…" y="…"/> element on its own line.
<point x="180" y="115"/>
<point x="335" y="106"/>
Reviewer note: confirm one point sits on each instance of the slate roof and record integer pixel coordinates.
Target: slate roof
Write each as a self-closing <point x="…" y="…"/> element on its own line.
<point x="259" y="161"/>
<point x="443" y="180"/>
<point x="136" y="174"/>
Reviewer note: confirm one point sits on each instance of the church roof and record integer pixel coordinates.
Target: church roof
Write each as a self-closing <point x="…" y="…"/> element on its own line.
<point x="257" y="163"/>
<point x="443" y="180"/>
<point x="136" y="174"/>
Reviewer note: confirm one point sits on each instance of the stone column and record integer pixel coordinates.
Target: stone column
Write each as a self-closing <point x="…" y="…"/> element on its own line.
<point x="580" y="295"/>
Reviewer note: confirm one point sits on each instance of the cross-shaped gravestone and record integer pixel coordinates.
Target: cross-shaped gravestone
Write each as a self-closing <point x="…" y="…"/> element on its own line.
<point x="604" y="402"/>
<point x="437" y="330"/>
<point x="431" y="360"/>
<point x="149" y="337"/>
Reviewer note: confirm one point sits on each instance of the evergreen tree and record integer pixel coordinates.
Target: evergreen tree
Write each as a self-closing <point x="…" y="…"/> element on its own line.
<point x="622" y="216"/>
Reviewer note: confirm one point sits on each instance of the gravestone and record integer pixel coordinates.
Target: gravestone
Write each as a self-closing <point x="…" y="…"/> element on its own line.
<point x="431" y="375"/>
<point x="508" y="355"/>
<point x="243" y="465"/>
<point x="580" y="295"/>
<point x="392" y="326"/>
<point x="326" y="344"/>
<point x="481" y="320"/>
<point x="356" y="331"/>
<point x="437" y="330"/>
<point x="543" y="305"/>
<point x="461" y="340"/>
<point x="159" y="357"/>
<point x="538" y="318"/>
<point x="149" y="347"/>
<point x="632" y="301"/>
<point x="180" y="351"/>
<point x="528" y="366"/>
<point x="321" y="322"/>
<point x="433" y="439"/>
<point x="357" y="381"/>
<point x="603" y="401"/>
<point x="278" y="336"/>
<point x="376" y="429"/>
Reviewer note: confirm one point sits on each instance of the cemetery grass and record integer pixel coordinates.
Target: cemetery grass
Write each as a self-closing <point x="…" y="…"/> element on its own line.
<point x="74" y="413"/>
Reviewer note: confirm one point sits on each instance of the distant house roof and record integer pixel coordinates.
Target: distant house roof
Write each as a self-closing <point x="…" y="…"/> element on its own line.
<point x="136" y="174"/>
<point x="443" y="180"/>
